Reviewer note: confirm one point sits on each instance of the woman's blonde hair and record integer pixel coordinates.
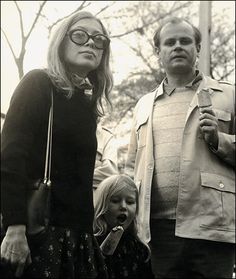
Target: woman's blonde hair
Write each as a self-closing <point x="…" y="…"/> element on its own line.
<point x="101" y="78"/>
<point x="106" y="189"/>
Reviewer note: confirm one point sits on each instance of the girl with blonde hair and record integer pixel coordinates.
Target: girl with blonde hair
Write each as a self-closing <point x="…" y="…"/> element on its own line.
<point x="116" y="205"/>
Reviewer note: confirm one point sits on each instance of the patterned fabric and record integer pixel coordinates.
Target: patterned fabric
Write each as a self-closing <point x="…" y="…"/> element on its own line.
<point x="128" y="260"/>
<point x="66" y="254"/>
<point x="81" y="83"/>
<point x="168" y="122"/>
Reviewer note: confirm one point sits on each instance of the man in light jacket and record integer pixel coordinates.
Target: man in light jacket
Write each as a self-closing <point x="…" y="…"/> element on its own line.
<point x="182" y="157"/>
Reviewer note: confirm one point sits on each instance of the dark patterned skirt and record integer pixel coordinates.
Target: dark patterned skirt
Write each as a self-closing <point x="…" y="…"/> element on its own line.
<point x="65" y="253"/>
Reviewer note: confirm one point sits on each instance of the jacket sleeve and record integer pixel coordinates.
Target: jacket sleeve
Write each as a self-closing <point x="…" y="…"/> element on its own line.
<point x="226" y="144"/>
<point x="106" y="160"/>
<point x="226" y="148"/>
<point x="132" y="149"/>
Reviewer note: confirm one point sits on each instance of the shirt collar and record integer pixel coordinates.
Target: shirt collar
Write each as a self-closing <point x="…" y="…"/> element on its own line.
<point x="80" y="82"/>
<point x="192" y="84"/>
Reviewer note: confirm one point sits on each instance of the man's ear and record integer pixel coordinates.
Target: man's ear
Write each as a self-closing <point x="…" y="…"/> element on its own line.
<point x="198" y="48"/>
<point x="156" y="50"/>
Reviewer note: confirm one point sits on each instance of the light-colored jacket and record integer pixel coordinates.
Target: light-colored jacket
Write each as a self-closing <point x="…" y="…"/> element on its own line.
<point x="106" y="157"/>
<point x="206" y="197"/>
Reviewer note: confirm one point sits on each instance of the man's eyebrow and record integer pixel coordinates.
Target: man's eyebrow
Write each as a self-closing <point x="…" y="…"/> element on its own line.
<point x="186" y="37"/>
<point x="167" y="39"/>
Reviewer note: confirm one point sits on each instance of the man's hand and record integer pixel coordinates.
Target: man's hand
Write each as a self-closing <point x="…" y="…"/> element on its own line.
<point x="209" y="126"/>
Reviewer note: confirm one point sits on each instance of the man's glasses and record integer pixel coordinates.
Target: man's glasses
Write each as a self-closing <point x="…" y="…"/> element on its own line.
<point x="81" y="37"/>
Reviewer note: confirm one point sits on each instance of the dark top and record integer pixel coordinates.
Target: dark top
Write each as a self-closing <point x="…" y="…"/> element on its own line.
<point x="129" y="259"/>
<point x="74" y="147"/>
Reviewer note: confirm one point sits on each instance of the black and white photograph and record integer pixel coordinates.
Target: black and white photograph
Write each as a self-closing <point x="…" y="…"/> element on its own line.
<point x="117" y="139"/>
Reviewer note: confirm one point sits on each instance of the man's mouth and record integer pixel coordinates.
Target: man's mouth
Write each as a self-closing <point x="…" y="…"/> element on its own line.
<point x="178" y="57"/>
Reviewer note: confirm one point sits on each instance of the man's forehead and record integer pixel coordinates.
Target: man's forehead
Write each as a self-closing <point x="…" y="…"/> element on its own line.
<point x="181" y="27"/>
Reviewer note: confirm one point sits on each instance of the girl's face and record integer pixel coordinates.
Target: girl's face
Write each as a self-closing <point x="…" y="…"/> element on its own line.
<point x="82" y="59"/>
<point x="121" y="208"/>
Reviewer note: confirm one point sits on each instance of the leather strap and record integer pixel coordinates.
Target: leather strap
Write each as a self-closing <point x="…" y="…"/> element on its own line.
<point x="48" y="159"/>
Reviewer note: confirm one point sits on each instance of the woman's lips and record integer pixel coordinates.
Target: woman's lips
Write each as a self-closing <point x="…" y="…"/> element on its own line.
<point x="88" y="53"/>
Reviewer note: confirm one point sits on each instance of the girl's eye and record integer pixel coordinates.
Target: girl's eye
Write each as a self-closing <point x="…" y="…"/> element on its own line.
<point x="114" y="200"/>
<point x="131" y="201"/>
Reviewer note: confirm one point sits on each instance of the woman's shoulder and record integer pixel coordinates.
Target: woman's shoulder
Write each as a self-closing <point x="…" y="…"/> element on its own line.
<point x="34" y="80"/>
<point x="37" y="72"/>
<point x="34" y="87"/>
<point x="37" y="75"/>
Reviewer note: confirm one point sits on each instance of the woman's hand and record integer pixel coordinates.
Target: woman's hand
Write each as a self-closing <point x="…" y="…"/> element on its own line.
<point x="15" y="249"/>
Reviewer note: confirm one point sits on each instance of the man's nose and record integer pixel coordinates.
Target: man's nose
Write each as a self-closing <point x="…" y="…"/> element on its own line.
<point x="178" y="45"/>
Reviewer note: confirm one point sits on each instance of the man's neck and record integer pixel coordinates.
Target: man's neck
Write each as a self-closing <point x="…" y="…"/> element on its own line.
<point x="180" y="79"/>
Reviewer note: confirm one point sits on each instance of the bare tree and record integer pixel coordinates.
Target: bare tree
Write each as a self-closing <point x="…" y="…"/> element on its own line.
<point x="157" y="18"/>
<point x="19" y="59"/>
<point x="148" y="16"/>
<point x="83" y="5"/>
<point x="222" y="47"/>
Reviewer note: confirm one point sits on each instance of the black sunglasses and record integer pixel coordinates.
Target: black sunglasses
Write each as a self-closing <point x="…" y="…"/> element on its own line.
<point x="81" y="37"/>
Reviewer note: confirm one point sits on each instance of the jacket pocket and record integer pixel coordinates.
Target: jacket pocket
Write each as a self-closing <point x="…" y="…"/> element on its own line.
<point x="141" y="133"/>
<point x="217" y="202"/>
<point x="224" y="118"/>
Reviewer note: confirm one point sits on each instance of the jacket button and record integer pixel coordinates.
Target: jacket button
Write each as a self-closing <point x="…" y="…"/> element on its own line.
<point x="221" y="185"/>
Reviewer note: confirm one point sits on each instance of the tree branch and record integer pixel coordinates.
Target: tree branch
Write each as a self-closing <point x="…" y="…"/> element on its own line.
<point x="21" y="20"/>
<point x="140" y="54"/>
<point x="124" y="113"/>
<point x="105" y="8"/>
<point x="36" y="19"/>
<point x="9" y="44"/>
<point x="141" y="73"/>
<point x="149" y="23"/>
<point x="81" y="7"/>
<point x="227" y="74"/>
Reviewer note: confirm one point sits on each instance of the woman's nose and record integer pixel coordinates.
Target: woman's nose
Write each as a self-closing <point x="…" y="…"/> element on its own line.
<point x="90" y="42"/>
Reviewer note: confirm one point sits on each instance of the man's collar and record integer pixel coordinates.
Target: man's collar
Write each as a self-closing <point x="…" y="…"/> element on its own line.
<point x="192" y="84"/>
<point x="212" y="83"/>
<point x="206" y="82"/>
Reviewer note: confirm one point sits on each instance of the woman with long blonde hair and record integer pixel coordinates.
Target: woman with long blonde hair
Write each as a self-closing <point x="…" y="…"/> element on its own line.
<point x="79" y="78"/>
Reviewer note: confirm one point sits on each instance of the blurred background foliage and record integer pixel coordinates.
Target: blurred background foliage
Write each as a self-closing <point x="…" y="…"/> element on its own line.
<point x="133" y="23"/>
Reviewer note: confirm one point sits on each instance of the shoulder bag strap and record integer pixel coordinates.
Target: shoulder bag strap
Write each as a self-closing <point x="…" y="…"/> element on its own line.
<point x="48" y="159"/>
